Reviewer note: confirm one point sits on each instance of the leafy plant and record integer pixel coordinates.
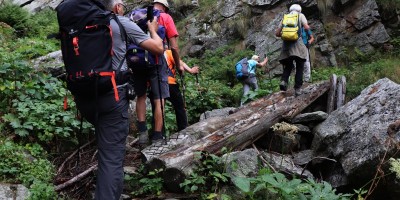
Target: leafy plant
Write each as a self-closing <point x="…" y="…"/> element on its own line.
<point x="395" y="166"/>
<point x="27" y="165"/>
<point x="144" y="183"/>
<point x="277" y="186"/>
<point x="208" y="176"/>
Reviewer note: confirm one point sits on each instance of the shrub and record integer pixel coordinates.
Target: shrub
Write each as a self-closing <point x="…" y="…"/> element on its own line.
<point x="27" y="165"/>
<point x="15" y="16"/>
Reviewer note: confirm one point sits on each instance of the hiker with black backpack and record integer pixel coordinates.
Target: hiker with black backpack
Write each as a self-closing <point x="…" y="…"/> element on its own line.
<point x="293" y="48"/>
<point x="93" y="43"/>
<point x="249" y="79"/>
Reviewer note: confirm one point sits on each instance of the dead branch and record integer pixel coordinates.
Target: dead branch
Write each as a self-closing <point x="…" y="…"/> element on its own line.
<point x="76" y="178"/>
<point x="263" y="159"/>
<point x="72" y="155"/>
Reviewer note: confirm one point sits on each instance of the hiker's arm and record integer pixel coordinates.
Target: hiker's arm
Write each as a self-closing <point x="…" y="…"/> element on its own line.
<point x="263" y="63"/>
<point x="175" y="53"/>
<point x="310" y="36"/>
<point x="153" y="44"/>
<point x="193" y="70"/>
<point x="278" y="32"/>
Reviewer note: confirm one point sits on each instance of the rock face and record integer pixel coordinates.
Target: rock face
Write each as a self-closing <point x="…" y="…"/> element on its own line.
<point x="339" y="26"/>
<point x="357" y="135"/>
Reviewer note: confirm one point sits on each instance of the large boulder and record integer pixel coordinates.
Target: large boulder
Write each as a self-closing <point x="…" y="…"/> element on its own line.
<point x="358" y="136"/>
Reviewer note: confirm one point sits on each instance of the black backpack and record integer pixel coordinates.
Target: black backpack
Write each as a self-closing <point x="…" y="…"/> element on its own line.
<point x="86" y="45"/>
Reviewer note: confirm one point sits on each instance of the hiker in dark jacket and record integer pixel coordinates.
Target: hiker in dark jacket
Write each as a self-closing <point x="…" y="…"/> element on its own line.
<point x="110" y="117"/>
<point x="293" y="51"/>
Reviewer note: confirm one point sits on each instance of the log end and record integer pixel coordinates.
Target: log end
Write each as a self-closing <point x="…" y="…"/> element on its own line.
<point x="154" y="164"/>
<point x="173" y="177"/>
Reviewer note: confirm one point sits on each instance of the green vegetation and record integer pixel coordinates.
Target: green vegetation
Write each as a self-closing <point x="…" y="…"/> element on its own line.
<point x="27" y="164"/>
<point x="31" y="102"/>
<point x="33" y="123"/>
<point x="144" y="182"/>
<point x="209" y="178"/>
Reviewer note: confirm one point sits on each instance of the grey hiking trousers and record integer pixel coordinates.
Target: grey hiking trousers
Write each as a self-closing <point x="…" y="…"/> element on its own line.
<point x="249" y="83"/>
<point x="111" y="132"/>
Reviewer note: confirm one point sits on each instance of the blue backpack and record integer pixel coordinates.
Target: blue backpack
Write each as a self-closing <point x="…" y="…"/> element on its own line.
<point x="137" y="57"/>
<point x="242" y="71"/>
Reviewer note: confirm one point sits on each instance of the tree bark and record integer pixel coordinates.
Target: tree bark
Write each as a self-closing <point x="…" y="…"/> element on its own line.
<point x="235" y="132"/>
<point x="332" y="95"/>
<point x="341" y="92"/>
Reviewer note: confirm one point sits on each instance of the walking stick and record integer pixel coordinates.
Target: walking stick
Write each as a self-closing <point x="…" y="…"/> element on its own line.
<point x="198" y="84"/>
<point x="183" y="89"/>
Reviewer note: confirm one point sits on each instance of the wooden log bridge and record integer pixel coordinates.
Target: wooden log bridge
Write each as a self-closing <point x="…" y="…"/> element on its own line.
<point x="235" y="132"/>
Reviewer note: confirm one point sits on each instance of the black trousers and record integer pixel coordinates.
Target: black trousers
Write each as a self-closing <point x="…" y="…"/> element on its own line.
<point x="176" y="99"/>
<point x="288" y="66"/>
<point x="112" y="128"/>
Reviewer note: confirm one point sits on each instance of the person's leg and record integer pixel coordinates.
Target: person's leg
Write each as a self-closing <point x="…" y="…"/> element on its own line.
<point x="159" y="83"/>
<point x="111" y="132"/>
<point x="246" y="89"/>
<point x="254" y="83"/>
<point x="299" y="73"/>
<point x="176" y="100"/>
<point x="307" y="68"/>
<point x="140" y="86"/>
<point x="287" y="69"/>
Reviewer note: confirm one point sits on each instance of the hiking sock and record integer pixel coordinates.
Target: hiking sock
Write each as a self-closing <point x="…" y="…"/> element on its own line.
<point x="142" y="126"/>
<point x="157" y="135"/>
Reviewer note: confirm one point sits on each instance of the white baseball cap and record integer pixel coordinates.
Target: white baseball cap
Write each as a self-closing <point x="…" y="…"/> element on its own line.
<point x="163" y="2"/>
<point x="294" y="7"/>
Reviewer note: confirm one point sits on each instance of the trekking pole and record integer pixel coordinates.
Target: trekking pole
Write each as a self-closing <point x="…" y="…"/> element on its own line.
<point x="183" y="89"/>
<point x="198" y="84"/>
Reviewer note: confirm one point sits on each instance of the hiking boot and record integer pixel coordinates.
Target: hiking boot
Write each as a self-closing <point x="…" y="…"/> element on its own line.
<point x="157" y="139"/>
<point x="143" y="139"/>
<point x="283" y="86"/>
<point x="297" y="92"/>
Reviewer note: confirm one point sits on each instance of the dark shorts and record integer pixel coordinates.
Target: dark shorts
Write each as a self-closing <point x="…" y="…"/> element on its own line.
<point x="153" y="77"/>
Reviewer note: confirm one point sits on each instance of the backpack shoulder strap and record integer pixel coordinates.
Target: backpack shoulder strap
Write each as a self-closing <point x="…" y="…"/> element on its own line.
<point x="123" y="36"/>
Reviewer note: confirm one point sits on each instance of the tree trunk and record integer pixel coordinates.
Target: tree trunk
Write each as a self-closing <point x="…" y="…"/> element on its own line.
<point x="332" y="95"/>
<point x="235" y="132"/>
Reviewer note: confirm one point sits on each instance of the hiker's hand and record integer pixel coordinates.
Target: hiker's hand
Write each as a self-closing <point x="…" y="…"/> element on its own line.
<point x="311" y="40"/>
<point x="153" y="26"/>
<point x="181" y="70"/>
<point x="194" y="70"/>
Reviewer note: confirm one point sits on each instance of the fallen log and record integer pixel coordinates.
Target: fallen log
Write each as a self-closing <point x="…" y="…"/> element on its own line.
<point x="235" y="132"/>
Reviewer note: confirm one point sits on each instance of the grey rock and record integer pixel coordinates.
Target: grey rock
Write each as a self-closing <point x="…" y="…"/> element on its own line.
<point x="303" y="157"/>
<point x="285" y="164"/>
<point x="305" y="118"/>
<point x="356" y="133"/>
<point x="242" y="163"/>
<point x="13" y="191"/>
